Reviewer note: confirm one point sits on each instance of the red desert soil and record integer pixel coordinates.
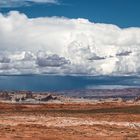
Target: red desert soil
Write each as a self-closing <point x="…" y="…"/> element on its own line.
<point x="70" y="121"/>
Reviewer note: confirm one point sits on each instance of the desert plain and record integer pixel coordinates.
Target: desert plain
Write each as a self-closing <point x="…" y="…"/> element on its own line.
<point x="69" y="120"/>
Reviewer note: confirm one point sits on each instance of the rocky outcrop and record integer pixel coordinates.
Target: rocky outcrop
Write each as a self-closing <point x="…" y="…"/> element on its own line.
<point x="137" y="99"/>
<point x="46" y="97"/>
<point x="26" y="96"/>
<point x="103" y="96"/>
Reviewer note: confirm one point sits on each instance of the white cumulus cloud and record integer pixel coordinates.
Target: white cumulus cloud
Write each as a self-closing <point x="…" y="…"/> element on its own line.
<point x="55" y="45"/>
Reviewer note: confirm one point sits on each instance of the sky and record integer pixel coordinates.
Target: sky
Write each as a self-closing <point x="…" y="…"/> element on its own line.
<point x="124" y="13"/>
<point x="80" y="37"/>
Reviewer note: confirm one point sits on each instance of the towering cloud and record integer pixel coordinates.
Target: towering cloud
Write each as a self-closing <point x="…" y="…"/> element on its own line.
<point x="66" y="46"/>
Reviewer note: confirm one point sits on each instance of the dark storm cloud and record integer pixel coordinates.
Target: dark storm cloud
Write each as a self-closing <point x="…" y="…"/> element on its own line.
<point x="126" y="53"/>
<point x="95" y="57"/>
<point x="52" y="61"/>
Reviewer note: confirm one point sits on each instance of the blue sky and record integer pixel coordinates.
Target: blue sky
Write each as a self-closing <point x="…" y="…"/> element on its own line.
<point x="124" y="13"/>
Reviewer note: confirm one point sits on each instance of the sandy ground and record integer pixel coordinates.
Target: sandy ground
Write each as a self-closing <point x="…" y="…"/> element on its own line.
<point x="70" y="121"/>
